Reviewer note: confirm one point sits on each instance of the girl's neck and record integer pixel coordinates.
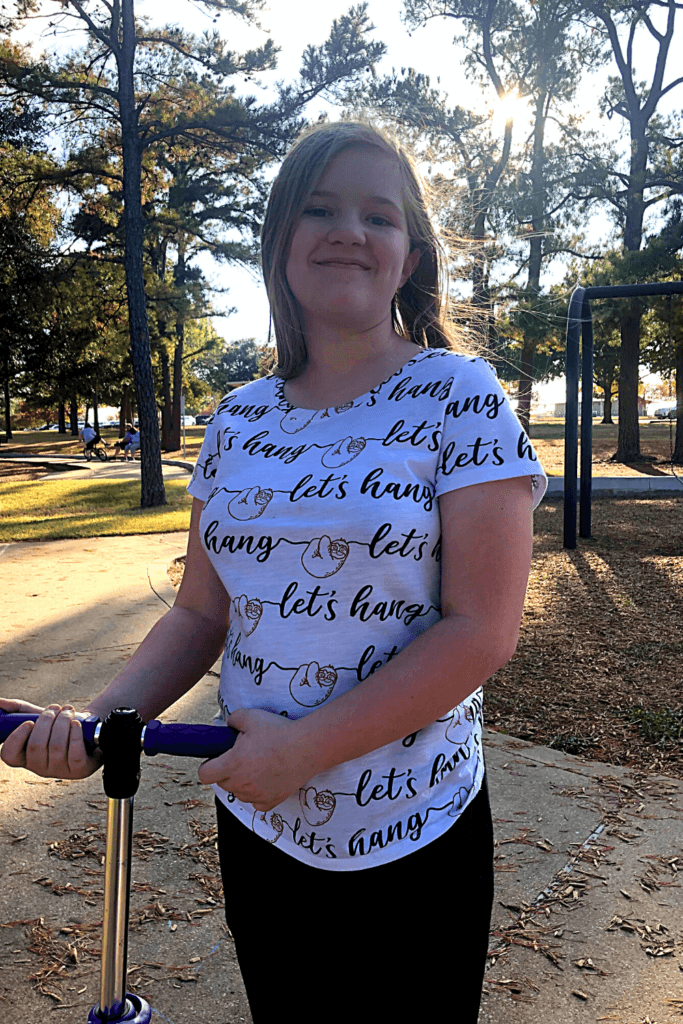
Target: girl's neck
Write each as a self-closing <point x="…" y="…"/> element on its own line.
<point x="342" y="366"/>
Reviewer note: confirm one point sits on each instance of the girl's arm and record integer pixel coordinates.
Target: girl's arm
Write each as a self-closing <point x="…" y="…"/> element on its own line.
<point x="487" y="535"/>
<point x="174" y="655"/>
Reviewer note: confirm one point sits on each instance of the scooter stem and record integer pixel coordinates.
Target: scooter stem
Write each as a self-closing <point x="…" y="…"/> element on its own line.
<point x="116" y="907"/>
<point x="120" y="740"/>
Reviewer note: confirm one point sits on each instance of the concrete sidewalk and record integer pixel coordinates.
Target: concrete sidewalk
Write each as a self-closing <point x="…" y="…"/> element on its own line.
<point x="78" y="467"/>
<point x="588" y="913"/>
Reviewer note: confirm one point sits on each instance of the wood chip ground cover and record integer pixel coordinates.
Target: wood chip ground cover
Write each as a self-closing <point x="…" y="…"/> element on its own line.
<point x="60" y="953"/>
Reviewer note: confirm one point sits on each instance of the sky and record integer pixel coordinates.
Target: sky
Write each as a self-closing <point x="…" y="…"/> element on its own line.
<point x="429" y="50"/>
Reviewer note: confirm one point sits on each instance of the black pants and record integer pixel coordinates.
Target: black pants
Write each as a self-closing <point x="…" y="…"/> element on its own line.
<point x="399" y="942"/>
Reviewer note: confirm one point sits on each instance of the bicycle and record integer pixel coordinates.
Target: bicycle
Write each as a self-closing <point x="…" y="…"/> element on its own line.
<point x="99" y="450"/>
<point x="123" y="737"/>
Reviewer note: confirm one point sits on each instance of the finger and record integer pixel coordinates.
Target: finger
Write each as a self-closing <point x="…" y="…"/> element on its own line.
<point x="77" y="757"/>
<point x="58" y="749"/>
<point x="19" y="707"/>
<point x="13" y="750"/>
<point x="215" y="770"/>
<point x="37" y="755"/>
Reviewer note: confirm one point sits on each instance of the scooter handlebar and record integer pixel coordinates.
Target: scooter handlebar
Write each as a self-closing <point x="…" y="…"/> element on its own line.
<point x="205" y="741"/>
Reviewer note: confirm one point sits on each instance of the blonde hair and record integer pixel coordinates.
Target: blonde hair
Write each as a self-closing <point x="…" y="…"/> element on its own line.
<point x="420" y="308"/>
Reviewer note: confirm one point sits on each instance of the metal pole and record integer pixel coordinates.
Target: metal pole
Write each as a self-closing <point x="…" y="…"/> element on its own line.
<point x="571" y="416"/>
<point x="116" y="906"/>
<point x="586" y="419"/>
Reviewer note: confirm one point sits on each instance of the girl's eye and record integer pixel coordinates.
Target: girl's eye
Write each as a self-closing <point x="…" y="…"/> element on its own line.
<point x="379" y="221"/>
<point x="315" y="211"/>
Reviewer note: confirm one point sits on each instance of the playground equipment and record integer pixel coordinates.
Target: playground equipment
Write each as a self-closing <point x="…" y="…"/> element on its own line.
<point x="580" y="324"/>
<point x="122" y="738"/>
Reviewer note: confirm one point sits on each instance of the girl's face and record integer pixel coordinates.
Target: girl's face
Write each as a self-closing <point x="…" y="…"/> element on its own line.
<point x="350" y="248"/>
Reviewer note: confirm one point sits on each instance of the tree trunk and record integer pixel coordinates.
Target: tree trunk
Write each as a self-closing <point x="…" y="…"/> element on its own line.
<point x="525" y="384"/>
<point x="179" y="280"/>
<point x="126" y="410"/>
<point x="73" y="415"/>
<point x="607" y="407"/>
<point x="628" y="448"/>
<point x="152" y="481"/>
<point x="61" y="418"/>
<point x="166" y="408"/>
<point x="533" y="287"/>
<point x="678" y="449"/>
<point x="8" y="418"/>
<point x="95" y="413"/>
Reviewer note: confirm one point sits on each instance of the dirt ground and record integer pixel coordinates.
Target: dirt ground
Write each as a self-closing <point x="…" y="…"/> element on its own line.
<point x="598" y="669"/>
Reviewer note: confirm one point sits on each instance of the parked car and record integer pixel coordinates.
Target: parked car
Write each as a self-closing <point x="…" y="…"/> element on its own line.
<point x="203" y="419"/>
<point x="666" y="412"/>
<point x="187" y="421"/>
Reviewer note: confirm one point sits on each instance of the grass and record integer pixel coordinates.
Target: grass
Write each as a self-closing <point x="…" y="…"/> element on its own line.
<point x="57" y="510"/>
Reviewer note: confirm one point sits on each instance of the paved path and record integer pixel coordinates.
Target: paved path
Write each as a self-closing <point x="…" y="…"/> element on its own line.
<point x="588" y="917"/>
<point x="72" y="468"/>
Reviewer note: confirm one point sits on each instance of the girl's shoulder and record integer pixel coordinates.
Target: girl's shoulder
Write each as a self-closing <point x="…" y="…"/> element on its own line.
<point x="459" y="365"/>
<point x="254" y="392"/>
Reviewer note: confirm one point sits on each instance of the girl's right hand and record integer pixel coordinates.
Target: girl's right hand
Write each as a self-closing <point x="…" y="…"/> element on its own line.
<point x="52" y="746"/>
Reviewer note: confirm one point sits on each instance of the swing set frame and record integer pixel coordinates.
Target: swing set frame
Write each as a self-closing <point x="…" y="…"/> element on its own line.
<point x="580" y="327"/>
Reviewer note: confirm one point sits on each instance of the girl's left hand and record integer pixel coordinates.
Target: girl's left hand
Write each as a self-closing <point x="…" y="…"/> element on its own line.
<point x="265" y="765"/>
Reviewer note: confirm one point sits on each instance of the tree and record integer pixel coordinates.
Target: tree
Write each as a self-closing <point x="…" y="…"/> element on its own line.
<point x="536" y="52"/>
<point x="645" y="180"/>
<point x="238" y="362"/>
<point x="119" y="80"/>
<point x="29" y="262"/>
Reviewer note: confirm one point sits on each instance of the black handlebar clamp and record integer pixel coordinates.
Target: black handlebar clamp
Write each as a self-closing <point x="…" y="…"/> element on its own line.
<point x="121" y="742"/>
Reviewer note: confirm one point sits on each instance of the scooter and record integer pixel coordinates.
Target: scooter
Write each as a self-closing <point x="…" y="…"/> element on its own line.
<point x="122" y="738"/>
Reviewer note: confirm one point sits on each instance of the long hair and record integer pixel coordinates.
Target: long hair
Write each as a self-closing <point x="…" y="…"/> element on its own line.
<point x="419" y="310"/>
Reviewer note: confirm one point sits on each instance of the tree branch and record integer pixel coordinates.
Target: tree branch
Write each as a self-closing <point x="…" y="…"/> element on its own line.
<point x="96" y="31"/>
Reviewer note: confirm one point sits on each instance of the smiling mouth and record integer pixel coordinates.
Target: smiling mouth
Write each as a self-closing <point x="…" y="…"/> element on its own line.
<point x="341" y="263"/>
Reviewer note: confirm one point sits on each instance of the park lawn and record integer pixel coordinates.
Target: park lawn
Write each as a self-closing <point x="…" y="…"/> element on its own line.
<point x="60" y="509"/>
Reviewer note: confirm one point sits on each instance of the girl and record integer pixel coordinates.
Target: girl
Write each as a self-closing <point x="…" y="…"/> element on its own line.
<point x="359" y="549"/>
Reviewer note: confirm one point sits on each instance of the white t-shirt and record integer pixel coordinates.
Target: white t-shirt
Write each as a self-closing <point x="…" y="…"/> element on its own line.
<point x="88" y="433"/>
<point x="324" y="527"/>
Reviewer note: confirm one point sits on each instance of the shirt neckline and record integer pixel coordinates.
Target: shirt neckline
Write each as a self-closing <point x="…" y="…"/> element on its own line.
<point x="280" y="388"/>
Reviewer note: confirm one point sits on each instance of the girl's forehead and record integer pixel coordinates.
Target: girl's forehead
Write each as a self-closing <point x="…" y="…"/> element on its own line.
<point x="363" y="169"/>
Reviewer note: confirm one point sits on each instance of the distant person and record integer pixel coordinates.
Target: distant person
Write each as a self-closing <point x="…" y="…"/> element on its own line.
<point x="130" y="442"/>
<point x="89" y="437"/>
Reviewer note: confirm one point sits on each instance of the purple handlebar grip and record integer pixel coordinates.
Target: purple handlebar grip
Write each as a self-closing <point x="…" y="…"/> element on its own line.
<point x="8" y="723"/>
<point x="205" y="741"/>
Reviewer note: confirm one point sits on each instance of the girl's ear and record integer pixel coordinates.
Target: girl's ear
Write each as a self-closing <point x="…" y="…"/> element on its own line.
<point x="411" y="262"/>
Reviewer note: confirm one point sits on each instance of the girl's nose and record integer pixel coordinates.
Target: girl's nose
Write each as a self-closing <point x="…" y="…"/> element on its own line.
<point x="347" y="227"/>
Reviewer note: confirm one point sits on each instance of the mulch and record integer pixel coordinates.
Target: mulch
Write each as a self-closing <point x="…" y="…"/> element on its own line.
<point x="598" y="669"/>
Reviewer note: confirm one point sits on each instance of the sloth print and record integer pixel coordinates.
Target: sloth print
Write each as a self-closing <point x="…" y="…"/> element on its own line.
<point x="296" y="419"/>
<point x="317" y="807"/>
<point x="250" y="503"/>
<point x="459" y="801"/>
<point x="311" y="685"/>
<point x="250" y="611"/>
<point x="343" y="451"/>
<point x="268" y="824"/>
<point x="459" y="729"/>
<point x="323" y="556"/>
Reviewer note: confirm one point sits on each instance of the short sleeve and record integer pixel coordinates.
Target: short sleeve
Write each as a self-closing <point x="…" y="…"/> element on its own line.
<point x="201" y="483"/>
<point x="482" y="439"/>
